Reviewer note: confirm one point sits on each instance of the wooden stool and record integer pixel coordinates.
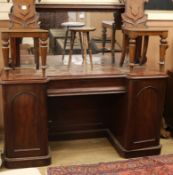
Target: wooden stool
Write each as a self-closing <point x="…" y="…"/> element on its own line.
<point x="83" y="31"/>
<point x="68" y="25"/>
<point x="130" y="36"/>
<point x="40" y="37"/>
<point x="109" y="25"/>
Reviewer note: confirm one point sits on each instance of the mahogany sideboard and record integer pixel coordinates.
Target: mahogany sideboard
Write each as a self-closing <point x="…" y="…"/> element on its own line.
<point x="104" y="102"/>
<point x="78" y="103"/>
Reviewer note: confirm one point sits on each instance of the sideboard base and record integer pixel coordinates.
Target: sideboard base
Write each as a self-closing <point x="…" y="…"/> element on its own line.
<point x="132" y="153"/>
<point x="27" y="161"/>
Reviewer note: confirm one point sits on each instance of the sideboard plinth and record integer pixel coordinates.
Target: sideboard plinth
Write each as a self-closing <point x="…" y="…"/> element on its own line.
<point x="27" y="162"/>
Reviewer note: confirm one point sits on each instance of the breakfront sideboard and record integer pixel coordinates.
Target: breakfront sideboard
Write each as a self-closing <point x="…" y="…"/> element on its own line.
<point x="55" y="104"/>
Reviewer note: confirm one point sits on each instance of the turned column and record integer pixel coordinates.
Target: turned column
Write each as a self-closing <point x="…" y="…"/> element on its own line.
<point x="132" y="48"/>
<point x="43" y="53"/>
<point x="163" y="48"/>
<point x="5" y="53"/>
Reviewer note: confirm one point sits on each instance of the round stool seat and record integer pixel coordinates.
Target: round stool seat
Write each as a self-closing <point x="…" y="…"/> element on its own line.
<point x="68" y="25"/>
<point x="72" y="24"/>
<point x="82" y="29"/>
<point x="85" y="42"/>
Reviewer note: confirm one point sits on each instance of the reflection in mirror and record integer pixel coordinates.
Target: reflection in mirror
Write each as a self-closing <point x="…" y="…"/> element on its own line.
<point x="57" y="34"/>
<point x="52" y="20"/>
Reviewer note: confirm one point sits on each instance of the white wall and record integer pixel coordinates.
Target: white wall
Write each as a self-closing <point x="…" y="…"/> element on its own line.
<point x="4" y="10"/>
<point x="160" y="15"/>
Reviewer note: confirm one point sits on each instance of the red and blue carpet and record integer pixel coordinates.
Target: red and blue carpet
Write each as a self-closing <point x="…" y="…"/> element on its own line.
<point x="151" y="165"/>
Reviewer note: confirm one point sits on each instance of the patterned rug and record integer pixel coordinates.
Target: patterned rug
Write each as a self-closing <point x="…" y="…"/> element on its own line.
<point x="151" y="165"/>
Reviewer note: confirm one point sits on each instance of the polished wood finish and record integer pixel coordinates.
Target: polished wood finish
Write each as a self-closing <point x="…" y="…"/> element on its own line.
<point x="25" y="122"/>
<point x="134" y="15"/>
<point x="23" y="15"/>
<point x="139" y="91"/>
<point x="78" y="102"/>
<point x="102" y="102"/>
<point x="131" y="34"/>
<point x="4" y="23"/>
<point x="11" y="35"/>
<point x="134" y="27"/>
<point x="84" y="34"/>
<point x="80" y="7"/>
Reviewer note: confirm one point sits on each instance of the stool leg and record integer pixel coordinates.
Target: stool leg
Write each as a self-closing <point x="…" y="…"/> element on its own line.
<point x="104" y="36"/>
<point x="65" y="43"/>
<point x="89" y="49"/>
<point x="84" y="48"/>
<point x="139" y="40"/>
<point x="163" y="48"/>
<point x="144" y="52"/>
<point x="43" y="54"/>
<point x="113" y="42"/>
<point x="81" y="45"/>
<point x="15" y="51"/>
<point x="36" y="52"/>
<point x="124" y="49"/>
<point x="73" y="35"/>
<point x="132" y="48"/>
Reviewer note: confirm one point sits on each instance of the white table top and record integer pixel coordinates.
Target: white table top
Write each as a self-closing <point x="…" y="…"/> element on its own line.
<point x="72" y="24"/>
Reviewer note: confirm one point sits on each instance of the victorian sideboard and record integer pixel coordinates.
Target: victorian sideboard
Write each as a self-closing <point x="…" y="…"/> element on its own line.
<point x="124" y="107"/>
<point x="80" y="102"/>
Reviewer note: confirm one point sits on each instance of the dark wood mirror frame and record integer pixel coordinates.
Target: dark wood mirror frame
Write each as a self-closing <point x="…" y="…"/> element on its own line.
<point x="56" y="10"/>
<point x="80" y="7"/>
